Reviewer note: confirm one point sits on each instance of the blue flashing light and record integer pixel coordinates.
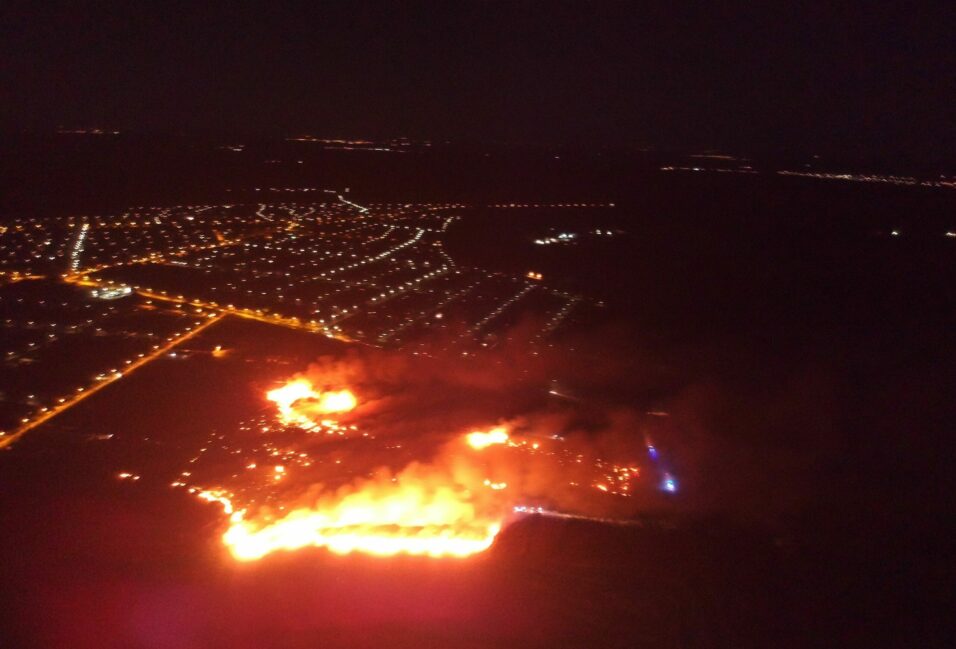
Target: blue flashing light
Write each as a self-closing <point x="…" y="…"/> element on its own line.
<point x="652" y="452"/>
<point x="669" y="484"/>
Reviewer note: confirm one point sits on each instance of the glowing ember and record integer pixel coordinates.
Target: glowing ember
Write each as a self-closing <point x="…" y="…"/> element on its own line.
<point x="222" y="499"/>
<point x="479" y="440"/>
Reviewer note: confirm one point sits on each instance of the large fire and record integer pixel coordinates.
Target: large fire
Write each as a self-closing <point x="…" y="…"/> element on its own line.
<point x="451" y="506"/>
<point x="298" y="402"/>
<point x="423" y="510"/>
<point x="416" y="515"/>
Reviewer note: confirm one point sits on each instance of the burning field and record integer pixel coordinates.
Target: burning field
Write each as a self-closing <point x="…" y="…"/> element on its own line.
<point x="386" y="456"/>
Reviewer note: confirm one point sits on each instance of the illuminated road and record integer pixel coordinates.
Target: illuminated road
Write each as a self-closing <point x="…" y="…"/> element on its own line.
<point x="340" y="260"/>
<point x="220" y="312"/>
<point x="154" y="257"/>
<point x="12" y="277"/>
<point x="250" y="314"/>
<point x="84" y="393"/>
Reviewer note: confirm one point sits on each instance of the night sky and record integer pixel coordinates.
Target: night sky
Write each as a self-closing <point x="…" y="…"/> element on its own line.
<point x="873" y="81"/>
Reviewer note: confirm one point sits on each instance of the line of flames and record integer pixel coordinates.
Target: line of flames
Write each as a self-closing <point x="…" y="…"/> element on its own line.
<point x="422" y="512"/>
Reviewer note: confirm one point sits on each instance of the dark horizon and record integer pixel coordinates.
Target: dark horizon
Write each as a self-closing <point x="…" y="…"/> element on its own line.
<point x="853" y="84"/>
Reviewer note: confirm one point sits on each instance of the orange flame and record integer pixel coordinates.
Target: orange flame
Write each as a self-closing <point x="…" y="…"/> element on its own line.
<point x="297" y="400"/>
<point x="454" y="506"/>
<point x="422" y="511"/>
<point x="479" y="440"/>
<point x="411" y="520"/>
<point x="341" y="401"/>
